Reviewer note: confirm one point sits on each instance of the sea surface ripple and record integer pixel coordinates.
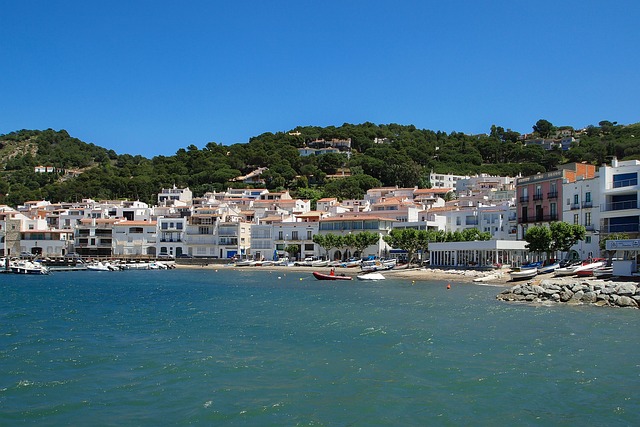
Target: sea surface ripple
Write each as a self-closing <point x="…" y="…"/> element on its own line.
<point x="220" y="347"/>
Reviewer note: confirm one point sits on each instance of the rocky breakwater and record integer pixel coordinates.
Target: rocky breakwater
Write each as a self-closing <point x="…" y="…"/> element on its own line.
<point x="612" y="294"/>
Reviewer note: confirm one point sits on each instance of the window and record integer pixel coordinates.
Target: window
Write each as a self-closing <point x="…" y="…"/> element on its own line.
<point x="294" y="235"/>
<point x="576" y="219"/>
<point x="575" y="199"/>
<point x="553" y="209"/>
<point x="309" y="235"/>
<point x="587" y="196"/>
<point x="280" y="235"/>
<point x="587" y="239"/>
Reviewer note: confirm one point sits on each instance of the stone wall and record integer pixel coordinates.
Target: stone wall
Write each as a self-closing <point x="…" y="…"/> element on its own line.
<point x="613" y="294"/>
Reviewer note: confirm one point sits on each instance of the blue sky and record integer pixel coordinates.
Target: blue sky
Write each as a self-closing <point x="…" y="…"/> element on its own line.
<point x="151" y="77"/>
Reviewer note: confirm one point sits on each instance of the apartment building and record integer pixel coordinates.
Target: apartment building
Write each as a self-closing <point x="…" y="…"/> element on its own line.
<point x="582" y="207"/>
<point x="539" y="197"/>
<point x="620" y="192"/>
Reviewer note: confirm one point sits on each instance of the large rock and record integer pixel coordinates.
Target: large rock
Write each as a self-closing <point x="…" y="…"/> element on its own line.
<point x="589" y="297"/>
<point x="625" y="301"/>
<point x="626" y="289"/>
<point x="565" y="295"/>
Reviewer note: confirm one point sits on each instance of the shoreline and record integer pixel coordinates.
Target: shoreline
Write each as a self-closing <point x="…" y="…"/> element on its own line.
<point x="414" y="274"/>
<point x="493" y="278"/>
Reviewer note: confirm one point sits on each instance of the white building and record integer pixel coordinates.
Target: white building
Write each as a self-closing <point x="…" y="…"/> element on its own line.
<point x="620" y="192"/>
<point x="581" y="206"/>
<point x="171" y="231"/>
<point x="134" y="238"/>
<point x="168" y="196"/>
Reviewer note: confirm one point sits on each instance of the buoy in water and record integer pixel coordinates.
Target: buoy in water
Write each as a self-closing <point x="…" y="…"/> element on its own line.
<point x="448" y="285"/>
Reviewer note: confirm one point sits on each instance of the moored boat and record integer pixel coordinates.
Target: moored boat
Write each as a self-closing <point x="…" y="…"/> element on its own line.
<point x="323" y="276"/>
<point x="370" y="276"/>
<point x="28" y="267"/>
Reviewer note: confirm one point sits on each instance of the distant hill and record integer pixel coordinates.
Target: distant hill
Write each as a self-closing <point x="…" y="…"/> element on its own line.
<point x="387" y="155"/>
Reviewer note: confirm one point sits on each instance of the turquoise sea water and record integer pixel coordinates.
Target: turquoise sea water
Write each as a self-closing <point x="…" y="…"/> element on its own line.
<point x="273" y="349"/>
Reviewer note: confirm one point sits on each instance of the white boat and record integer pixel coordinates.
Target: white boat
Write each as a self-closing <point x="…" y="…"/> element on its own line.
<point x="28" y="267"/>
<point x="569" y="270"/>
<point x="371" y="276"/>
<point x="549" y="268"/>
<point x="371" y="265"/>
<point x="388" y="264"/>
<point x="587" y="269"/>
<point x="351" y="263"/>
<point x="320" y="263"/>
<point x="603" y="272"/>
<point x="100" y="266"/>
<point x="523" y="273"/>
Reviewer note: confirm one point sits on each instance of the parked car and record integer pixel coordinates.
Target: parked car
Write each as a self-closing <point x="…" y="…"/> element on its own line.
<point x="184" y="256"/>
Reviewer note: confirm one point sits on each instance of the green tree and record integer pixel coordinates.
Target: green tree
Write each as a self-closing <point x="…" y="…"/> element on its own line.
<point x="406" y="239"/>
<point x="564" y="236"/>
<point x="543" y="128"/>
<point x="538" y="239"/>
<point x="328" y="241"/>
<point x="363" y="240"/>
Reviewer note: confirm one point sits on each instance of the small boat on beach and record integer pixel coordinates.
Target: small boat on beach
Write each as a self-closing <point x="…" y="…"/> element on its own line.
<point x="603" y="272"/>
<point x="568" y="270"/>
<point x="523" y="274"/>
<point x="526" y="271"/>
<point x="548" y="268"/>
<point x="323" y="276"/>
<point x="586" y="270"/>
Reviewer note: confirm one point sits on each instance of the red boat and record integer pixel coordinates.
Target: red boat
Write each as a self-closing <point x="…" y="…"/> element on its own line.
<point x="322" y="276"/>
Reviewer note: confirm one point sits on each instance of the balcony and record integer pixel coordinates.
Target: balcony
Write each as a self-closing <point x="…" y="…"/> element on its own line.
<point x="552" y="195"/>
<point x="632" y="227"/>
<point x="575" y="206"/>
<point x="626" y="183"/>
<point x="524" y="199"/>
<point x="619" y="206"/>
<point x="587" y="204"/>
<point x="537" y="197"/>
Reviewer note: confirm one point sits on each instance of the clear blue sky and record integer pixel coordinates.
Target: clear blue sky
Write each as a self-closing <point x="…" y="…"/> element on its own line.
<point x="151" y="77"/>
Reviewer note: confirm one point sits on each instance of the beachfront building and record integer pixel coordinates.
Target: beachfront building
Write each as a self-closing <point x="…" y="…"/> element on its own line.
<point x="356" y="223"/>
<point x="171" y="230"/>
<point x="626" y="256"/>
<point x="134" y="238"/>
<point x="478" y="254"/>
<point x="46" y="243"/>
<point x="620" y="192"/>
<point x="94" y="237"/>
<point x="287" y="234"/>
<point x="581" y="206"/>
<point x="539" y="196"/>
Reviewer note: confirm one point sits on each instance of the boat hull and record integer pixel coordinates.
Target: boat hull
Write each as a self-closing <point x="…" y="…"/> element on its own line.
<point x="323" y="276"/>
<point x="528" y="273"/>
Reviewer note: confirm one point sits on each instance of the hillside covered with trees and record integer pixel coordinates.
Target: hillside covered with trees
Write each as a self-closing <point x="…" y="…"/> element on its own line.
<point x="386" y="155"/>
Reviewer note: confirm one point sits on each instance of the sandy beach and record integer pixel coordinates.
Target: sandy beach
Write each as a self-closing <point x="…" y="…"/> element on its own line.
<point x="414" y="274"/>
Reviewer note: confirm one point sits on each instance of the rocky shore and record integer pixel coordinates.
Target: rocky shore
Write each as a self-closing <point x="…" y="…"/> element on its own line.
<point x="576" y="291"/>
